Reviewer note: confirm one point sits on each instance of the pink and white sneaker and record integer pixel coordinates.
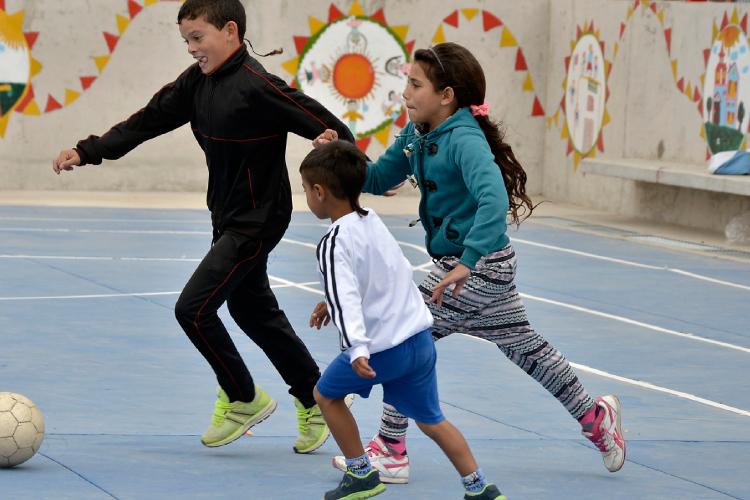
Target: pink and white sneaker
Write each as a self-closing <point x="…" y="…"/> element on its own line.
<point x="605" y="431"/>
<point x="392" y="468"/>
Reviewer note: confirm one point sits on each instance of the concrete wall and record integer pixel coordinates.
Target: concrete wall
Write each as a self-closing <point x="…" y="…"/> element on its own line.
<point x="649" y="116"/>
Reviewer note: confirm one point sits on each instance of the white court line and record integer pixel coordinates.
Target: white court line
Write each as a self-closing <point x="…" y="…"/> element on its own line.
<point x="631" y="263"/>
<point x="622" y="319"/>
<point x="645" y="385"/>
<point x="285" y="284"/>
<point x="411" y="245"/>
<point x="420" y="267"/>
<point x="423" y="268"/>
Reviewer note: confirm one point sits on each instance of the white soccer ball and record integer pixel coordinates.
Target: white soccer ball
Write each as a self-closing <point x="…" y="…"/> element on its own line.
<point x="21" y="429"/>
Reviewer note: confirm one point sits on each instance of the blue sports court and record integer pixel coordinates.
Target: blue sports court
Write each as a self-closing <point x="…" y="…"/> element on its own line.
<point x="89" y="334"/>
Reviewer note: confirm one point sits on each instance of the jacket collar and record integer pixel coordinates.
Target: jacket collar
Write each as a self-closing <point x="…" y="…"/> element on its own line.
<point x="231" y="63"/>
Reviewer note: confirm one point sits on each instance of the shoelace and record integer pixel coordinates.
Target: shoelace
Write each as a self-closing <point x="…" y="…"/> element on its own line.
<point x="220" y="412"/>
<point x="303" y="419"/>
<point x="604" y="442"/>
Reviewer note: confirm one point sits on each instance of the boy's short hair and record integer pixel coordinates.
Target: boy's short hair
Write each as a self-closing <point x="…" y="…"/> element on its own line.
<point x="339" y="166"/>
<point x="216" y="12"/>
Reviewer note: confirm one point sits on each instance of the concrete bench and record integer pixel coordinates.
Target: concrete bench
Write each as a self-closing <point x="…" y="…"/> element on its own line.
<point x="668" y="173"/>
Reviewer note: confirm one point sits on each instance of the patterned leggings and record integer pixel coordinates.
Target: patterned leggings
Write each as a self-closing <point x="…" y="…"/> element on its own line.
<point x="489" y="308"/>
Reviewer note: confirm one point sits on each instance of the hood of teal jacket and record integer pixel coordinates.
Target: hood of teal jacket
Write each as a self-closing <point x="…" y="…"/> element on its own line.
<point x="464" y="202"/>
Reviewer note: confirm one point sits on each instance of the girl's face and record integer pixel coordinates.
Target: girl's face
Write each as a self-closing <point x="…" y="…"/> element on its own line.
<point x="424" y="104"/>
<point x="207" y="44"/>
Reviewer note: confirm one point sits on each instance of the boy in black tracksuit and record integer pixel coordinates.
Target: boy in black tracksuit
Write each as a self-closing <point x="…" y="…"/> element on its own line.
<point x="240" y="115"/>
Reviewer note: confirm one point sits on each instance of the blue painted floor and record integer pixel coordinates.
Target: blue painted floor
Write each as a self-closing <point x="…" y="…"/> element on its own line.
<point x="88" y="333"/>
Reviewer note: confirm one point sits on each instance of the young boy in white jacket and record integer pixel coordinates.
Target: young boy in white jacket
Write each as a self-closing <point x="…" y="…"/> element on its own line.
<point x="383" y="323"/>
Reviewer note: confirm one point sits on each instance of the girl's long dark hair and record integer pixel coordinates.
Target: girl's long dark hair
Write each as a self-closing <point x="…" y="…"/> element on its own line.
<point x="451" y="65"/>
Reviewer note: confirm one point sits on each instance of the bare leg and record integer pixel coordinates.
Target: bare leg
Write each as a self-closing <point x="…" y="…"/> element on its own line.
<point x="342" y="424"/>
<point x="453" y="444"/>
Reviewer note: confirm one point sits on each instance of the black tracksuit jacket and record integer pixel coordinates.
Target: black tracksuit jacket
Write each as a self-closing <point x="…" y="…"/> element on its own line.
<point x="240" y="115"/>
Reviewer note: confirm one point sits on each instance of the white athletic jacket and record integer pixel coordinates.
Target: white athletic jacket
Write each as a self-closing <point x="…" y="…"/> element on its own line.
<point x="368" y="285"/>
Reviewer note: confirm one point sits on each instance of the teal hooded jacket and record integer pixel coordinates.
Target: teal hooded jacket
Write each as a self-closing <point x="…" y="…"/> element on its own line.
<point x="464" y="201"/>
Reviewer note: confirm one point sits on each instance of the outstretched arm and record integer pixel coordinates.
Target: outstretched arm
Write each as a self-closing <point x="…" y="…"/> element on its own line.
<point x="167" y="110"/>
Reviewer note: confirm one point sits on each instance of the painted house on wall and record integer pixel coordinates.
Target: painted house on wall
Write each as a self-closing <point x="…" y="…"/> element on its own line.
<point x="726" y="83"/>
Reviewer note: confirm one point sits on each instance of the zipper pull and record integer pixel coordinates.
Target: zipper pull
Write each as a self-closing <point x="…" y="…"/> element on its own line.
<point x="414" y="222"/>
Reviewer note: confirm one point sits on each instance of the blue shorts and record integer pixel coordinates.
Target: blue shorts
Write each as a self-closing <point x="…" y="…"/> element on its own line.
<point x="406" y="372"/>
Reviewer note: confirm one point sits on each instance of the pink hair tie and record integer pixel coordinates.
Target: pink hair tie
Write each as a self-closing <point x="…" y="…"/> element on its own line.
<point x="481" y="110"/>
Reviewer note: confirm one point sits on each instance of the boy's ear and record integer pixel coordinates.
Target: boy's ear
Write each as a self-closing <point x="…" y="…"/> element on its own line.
<point x="320" y="191"/>
<point x="231" y="28"/>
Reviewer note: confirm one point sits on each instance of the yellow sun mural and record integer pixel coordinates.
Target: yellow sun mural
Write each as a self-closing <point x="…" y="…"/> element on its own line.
<point x="355" y="65"/>
<point x="17" y="67"/>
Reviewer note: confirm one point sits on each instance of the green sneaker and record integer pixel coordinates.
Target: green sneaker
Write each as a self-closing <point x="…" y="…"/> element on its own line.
<point x="354" y="487"/>
<point x="312" y="428"/>
<point x="490" y="492"/>
<point x="232" y="420"/>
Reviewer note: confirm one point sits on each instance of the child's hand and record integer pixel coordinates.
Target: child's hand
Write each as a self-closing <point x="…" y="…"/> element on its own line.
<point x="320" y="316"/>
<point x="66" y="160"/>
<point x="327" y="136"/>
<point x="458" y="275"/>
<point x="362" y="368"/>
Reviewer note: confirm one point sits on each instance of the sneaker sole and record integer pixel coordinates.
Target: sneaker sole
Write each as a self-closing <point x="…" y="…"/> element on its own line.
<point x="618" y="426"/>
<point x="264" y="414"/>
<point x="366" y="494"/>
<point x="314" y="447"/>
<point x="383" y="478"/>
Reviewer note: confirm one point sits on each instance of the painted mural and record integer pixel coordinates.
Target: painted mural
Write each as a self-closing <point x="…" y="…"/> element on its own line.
<point x="18" y="65"/>
<point x="355" y="63"/>
<point x="15" y="64"/>
<point x="585" y="93"/>
<point x="726" y="90"/>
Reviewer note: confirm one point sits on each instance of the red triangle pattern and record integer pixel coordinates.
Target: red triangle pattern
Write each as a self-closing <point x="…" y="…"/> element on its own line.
<point x="706" y="55"/>
<point x="26" y="100"/>
<point x="111" y="40"/>
<point x="696" y="95"/>
<point x="622" y="30"/>
<point x="299" y="43"/>
<point x="379" y="16"/>
<point x="708" y="154"/>
<point x="668" y="38"/>
<point x="567" y="63"/>
<point x="31" y="37"/>
<point x="570" y="147"/>
<point x="134" y="8"/>
<point x="724" y="21"/>
<point x="700" y="108"/>
<point x="578" y="32"/>
<point x="743" y="24"/>
<point x="52" y="104"/>
<point x="293" y="84"/>
<point x="520" y="61"/>
<point x="2" y="4"/>
<point x="410" y="47"/>
<point x="636" y="3"/>
<point x="653" y="7"/>
<point x="537" y="110"/>
<point x="489" y="21"/>
<point x="600" y="143"/>
<point x="452" y="19"/>
<point x="562" y="103"/>
<point x="401" y="120"/>
<point x="363" y="144"/>
<point x="86" y="81"/>
<point x="334" y="13"/>
<point x="681" y="84"/>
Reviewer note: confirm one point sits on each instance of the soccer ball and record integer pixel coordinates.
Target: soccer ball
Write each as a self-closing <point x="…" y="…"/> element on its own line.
<point x="21" y="429"/>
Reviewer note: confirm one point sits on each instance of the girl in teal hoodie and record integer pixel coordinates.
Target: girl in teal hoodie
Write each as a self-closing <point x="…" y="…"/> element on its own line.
<point x="471" y="182"/>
